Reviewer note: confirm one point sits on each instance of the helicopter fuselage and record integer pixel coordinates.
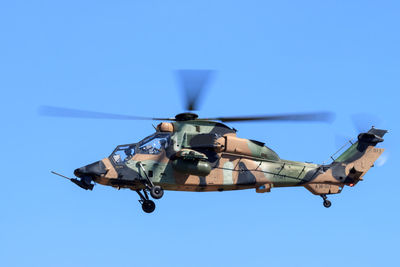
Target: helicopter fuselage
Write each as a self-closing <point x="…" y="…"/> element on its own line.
<point x="208" y="156"/>
<point x="202" y="156"/>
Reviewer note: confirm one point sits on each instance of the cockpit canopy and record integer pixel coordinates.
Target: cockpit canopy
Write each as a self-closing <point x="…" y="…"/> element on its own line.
<point x="153" y="144"/>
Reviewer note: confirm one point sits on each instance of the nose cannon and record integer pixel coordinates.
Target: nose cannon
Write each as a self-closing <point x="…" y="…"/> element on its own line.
<point x="88" y="173"/>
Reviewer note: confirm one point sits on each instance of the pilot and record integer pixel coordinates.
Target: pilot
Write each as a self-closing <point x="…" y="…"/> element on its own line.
<point x="128" y="153"/>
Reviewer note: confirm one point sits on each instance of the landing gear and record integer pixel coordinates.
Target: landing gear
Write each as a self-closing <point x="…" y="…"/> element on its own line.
<point x="326" y="202"/>
<point x="148" y="205"/>
<point x="156" y="192"/>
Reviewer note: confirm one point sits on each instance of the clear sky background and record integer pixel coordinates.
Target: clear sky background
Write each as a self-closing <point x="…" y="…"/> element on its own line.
<point x="120" y="57"/>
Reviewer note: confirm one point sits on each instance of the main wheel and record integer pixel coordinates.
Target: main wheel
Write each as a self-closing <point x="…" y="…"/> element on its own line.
<point x="327" y="203"/>
<point x="156" y="192"/>
<point x="148" y="206"/>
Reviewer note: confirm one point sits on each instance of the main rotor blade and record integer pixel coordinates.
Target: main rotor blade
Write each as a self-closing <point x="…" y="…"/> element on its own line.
<point x="52" y="111"/>
<point x="194" y="83"/>
<point x="316" y="117"/>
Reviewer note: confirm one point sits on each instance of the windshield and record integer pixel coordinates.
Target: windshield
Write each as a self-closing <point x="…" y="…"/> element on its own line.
<point x="151" y="145"/>
<point x="154" y="144"/>
<point x="123" y="153"/>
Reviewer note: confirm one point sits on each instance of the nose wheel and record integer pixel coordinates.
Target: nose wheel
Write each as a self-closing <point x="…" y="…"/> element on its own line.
<point x="326" y="202"/>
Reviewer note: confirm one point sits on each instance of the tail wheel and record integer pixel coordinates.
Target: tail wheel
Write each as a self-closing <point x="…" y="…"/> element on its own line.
<point x="327" y="203"/>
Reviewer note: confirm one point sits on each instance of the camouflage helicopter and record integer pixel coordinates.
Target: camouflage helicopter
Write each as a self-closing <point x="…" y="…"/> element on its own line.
<point x="187" y="153"/>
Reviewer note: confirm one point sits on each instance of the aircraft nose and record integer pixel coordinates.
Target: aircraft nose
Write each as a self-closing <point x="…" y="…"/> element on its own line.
<point x="95" y="169"/>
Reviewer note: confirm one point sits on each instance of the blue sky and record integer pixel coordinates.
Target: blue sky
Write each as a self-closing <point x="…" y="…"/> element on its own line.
<point x="271" y="57"/>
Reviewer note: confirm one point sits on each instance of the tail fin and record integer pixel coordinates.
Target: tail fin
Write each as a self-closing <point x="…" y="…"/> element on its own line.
<point x="360" y="157"/>
<point x="350" y="167"/>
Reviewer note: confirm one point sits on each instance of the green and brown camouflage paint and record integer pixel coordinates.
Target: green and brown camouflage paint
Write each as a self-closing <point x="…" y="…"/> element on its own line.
<point x="237" y="163"/>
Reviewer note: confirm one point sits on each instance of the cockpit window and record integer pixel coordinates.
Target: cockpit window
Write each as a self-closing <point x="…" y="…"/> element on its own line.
<point x="123" y="153"/>
<point x="151" y="145"/>
<point x="154" y="144"/>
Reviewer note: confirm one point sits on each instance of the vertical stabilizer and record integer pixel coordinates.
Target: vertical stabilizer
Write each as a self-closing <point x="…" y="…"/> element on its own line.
<point x="360" y="157"/>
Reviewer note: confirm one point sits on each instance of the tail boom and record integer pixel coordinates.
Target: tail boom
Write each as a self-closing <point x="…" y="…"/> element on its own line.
<point x="350" y="167"/>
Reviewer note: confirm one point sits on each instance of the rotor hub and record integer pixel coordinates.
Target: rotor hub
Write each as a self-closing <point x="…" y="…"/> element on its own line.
<point x="187" y="116"/>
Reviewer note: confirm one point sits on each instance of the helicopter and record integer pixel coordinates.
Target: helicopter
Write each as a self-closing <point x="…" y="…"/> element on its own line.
<point x="188" y="153"/>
